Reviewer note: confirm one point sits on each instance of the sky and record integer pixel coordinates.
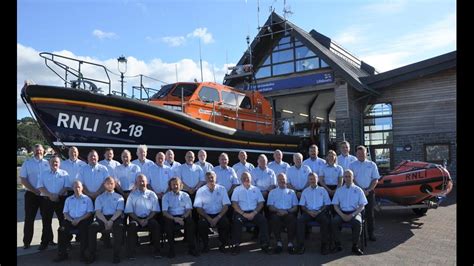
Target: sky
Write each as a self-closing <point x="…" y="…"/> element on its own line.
<point x="163" y="39"/>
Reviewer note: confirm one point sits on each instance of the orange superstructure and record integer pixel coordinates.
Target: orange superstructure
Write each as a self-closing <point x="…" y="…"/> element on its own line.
<point x="220" y="104"/>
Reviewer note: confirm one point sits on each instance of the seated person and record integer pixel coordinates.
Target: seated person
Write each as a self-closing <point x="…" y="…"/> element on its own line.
<point x="141" y="207"/>
<point x="177" y="210"/>
<point x="283" y="206"/>
<point x="247" y="201"/>
<point x="349" y="201"/>
<point x="212" y="204"/>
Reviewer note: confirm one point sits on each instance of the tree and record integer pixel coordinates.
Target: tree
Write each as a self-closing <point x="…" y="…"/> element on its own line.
<point x="28" y="133"/>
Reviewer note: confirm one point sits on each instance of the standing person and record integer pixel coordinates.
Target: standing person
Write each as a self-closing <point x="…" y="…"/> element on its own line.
<point x="72" y="166"/>
<point x="109" y="161"/>
<point x="142" y="206"/>
<point x="283" y="206"/>
<point x="242" y="165"/>
<point x="212" y="203"/>
<point x="29" y="172"/>
<point x="159" y="176"/>
<point x="77" y="215"/>
<point x="263" y="177"/>
<point x="191" y="175"/>
<point x="126" y="174"/>
<point x="278" y="165"/>
<point x="202" y="156"/>
<point x="51" y="184"/>
<point x="92" y="176"/>
<point x="143" y="162"/>
<point x="366" y="176"/>
<point x="314" y="162"/>
<point x="169" y="160"/>
<point x="247" y="201"/>
<point x="298" y="175"/>
<point x="314" y="204"/>
<point x="108" y="212"/>
<point x="177" y="209"/>
<point x="348" y="202"/>
<point x="330" y="175"/>
<point x="345" y="159"/>
<point x="225" y="175"/>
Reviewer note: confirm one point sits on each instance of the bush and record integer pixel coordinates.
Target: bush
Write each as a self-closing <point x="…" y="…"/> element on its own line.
<point x="20" y="160"/>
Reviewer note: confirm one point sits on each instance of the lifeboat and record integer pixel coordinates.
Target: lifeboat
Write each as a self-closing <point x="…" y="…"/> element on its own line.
<point x="414" y="182"/>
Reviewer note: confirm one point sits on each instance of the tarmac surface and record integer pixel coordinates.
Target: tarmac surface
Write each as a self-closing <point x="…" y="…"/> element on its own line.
<point x="403" y="238"/>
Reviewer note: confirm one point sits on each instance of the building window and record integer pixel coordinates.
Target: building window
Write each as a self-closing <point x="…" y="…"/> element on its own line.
<point x="438" y="153"/>
<point x="288" y="56"/>
<point x="378" y="124"/>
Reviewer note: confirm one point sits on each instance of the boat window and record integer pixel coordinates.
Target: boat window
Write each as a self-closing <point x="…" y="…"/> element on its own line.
<point x="229" y="98"/>
<point x="246" y="103"/>
<point x="188" y="89"/>
<point x="162" y="92"/>
<point x="209" y="95"/>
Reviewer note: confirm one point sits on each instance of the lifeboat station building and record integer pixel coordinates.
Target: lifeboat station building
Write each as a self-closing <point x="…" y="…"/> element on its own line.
<point x="322" y="93"/>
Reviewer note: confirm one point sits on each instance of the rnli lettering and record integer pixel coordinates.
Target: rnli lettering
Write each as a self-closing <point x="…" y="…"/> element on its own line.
<point x="92" y="125"/>
<point x="415" y="176"/>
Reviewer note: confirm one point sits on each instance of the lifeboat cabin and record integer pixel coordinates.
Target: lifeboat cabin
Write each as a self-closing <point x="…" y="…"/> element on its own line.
<point x="217" y="103"/>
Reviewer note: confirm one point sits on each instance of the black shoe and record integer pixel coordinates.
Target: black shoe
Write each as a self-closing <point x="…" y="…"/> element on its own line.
<point x="26" y="246"/>
<point x="171" y="254"/>
<point x="193" y="252"/>
<point x="291" y="250"/>
<point x="300" y="250"/>
<point x="131" y="257"/>
<point x="51" y="243"/>
<point x="337" y="248"/>
<point x="116" y="260"/>
<point x="90" y="259"/>
<point x="324" y="250"/>
<point x="205" y="249"/>
<point x="372" y="237"/>
<point x="43" y="247"/>
<point x="356" y="250"/>
<point x="83" y="258"/>
<point x="222" y="248"/>
<point x="60" y="258"/>
<point x="157" y="255"/>
<point x="278" y="249"/>
<point x="266" y="248"/>
<point x="235" y="250"/>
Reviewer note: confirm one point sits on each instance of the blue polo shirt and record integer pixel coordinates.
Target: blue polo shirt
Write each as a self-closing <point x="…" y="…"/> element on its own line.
<point x="314" y="198"/>
<point x="284" y="199"/>
<point x="78" y="206"/>
<point x="211" y="202"/>
<point x="32" y="168"/>
<point x="176" y="203"/>
<point x="226" y="177"/>
<point x="349" y="198"/>
<point x="247" y="198"/>
<point x="108" y="203"/>
<point x="364" y="172"/>
<point x="142" y="203"/>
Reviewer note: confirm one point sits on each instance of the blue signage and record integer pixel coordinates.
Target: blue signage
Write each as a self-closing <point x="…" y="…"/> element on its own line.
<point x="314" y="79"/>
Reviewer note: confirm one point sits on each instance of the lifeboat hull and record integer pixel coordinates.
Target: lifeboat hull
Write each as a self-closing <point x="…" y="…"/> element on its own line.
<point x="89" y="120"/>
<point x="413" y="182"/>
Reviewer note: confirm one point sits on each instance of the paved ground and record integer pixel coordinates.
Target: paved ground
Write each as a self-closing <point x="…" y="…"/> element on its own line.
<point x="402" y="239"/>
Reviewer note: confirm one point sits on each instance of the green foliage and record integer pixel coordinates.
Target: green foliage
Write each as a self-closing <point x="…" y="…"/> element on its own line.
<point x="28" y="133"/>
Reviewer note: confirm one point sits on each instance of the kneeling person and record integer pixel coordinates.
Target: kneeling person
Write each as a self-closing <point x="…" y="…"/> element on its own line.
<point x="212" y="204"/>
<point x="108" y="212"/>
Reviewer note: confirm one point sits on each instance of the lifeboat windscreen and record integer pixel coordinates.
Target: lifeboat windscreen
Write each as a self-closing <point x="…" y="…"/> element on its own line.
<point x="162" y="92"/>
<point x="187" y="89"/>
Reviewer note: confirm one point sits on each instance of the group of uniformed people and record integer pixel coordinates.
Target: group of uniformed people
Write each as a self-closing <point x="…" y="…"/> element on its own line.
<point x="165" y="195"/>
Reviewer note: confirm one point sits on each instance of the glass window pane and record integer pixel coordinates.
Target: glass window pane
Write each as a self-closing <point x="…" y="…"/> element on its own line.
<point x="209" y="95"/>
<point x="303" y="52"/>
<point x="263" y="72"/>
<point x="307" y="64"/>
<point x="188" y="90"/>
<point x="324" y="64"/>
<point x="267" y="61"/>
<point x="282" y="56"/>
<point x="229" y="98"/>
<point x="281" y="69"/>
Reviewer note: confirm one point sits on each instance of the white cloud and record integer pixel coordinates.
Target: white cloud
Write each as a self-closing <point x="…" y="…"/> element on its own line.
<point x="385" y="7"/>
<point x="411" y="47"/>
<point x="202" y="33"/>
<point x="350" y="36"/>
<point x="31" y="67"/>
<point x="174" y="41"/>
<point x="104" y="35"/>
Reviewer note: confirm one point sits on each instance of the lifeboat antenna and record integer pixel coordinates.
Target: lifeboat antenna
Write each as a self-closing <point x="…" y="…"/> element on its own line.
<point x="200" y="58"/>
